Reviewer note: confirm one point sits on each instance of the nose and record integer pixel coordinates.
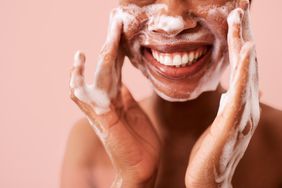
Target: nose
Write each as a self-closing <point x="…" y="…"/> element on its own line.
<point x="175" y="19"/>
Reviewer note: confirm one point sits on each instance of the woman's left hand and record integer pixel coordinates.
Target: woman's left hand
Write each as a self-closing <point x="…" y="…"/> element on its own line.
<point x="218" y="151"/>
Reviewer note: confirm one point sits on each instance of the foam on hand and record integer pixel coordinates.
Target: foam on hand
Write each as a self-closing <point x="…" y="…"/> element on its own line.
<point x="238" y="142"/>
<point x="89" y="94"/>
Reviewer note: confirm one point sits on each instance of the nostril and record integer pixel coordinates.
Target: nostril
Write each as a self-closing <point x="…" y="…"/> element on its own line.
<point x="193" y="29"/>
<point x="158" y="31"/>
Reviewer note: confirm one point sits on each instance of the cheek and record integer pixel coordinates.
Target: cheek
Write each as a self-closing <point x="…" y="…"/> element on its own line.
<point x="215" y="17"/>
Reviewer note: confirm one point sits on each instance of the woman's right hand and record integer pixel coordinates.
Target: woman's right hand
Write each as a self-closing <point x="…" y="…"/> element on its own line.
<point x="122" y="126"/>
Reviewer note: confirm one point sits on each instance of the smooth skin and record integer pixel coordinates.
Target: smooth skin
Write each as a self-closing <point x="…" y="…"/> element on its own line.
<point x="156" y="143"/>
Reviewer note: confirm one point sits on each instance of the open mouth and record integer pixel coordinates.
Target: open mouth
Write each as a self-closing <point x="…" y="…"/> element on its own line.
<point x="177" y="63"/>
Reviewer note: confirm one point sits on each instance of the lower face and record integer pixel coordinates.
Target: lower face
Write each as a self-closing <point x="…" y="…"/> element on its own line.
<point x="182" y="63"/>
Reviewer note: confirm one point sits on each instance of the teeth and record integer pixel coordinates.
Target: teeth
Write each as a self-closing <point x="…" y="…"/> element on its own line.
<point x="161" y="59"/>
<point x="197" y="54"/>
<point x="185" y="58"/>
<point x="179" y="59"/>
<point x="191" y="57"/>
<point x="167" y="60"/>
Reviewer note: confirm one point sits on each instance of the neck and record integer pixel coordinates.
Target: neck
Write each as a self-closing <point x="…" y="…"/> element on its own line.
<point x="191" y="117"/>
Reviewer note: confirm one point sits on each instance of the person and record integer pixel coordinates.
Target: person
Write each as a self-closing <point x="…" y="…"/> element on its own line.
<point x="191" y="132"/>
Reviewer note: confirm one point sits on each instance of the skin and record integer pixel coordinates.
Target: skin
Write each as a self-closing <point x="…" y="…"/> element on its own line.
<point x="157" y="143"/>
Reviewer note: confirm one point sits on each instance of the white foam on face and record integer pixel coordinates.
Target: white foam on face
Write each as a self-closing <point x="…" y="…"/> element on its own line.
<point x="157" y="21"/>
<point x="169" y="24"/>
<point x="172" y="25"/>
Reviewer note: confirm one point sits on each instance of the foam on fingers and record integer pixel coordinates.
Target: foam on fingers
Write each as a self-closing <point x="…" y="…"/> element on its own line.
<point x="235" y="33"/>
<point x="88" y="94"/>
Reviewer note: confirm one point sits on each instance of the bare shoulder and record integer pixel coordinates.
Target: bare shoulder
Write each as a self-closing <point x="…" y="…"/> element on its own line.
<point x="83" y="154"/>
<point x="261" y="165"/>
<point x="270" y="114"/>
<point x="271" y="125"/>
<point x="270" y="131"/>
<point x="84" y="143"/>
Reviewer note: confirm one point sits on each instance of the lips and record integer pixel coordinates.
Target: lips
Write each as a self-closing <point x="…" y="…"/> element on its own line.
<point x="179" y="61"/>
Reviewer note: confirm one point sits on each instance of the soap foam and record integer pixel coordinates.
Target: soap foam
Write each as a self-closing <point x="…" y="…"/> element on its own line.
<point x="89" y="94"/>
<point x="232" y="151"/>
<point x="169" y="24"/>
<point x="237" y="143"/>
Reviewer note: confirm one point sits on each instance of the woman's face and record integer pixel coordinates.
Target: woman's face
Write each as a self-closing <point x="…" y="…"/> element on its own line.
<point x="181" y="45"/>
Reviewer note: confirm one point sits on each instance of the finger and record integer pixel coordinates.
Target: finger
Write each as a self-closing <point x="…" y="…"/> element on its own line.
<point x="238" y="93"/>
<point x="245" y="72"/>
<point x="77" y="77"/>
<point x="87" y="94"/>
<point x="77" y="83"/>
<point x="108" y="70"/>
<point x="247" y="31"/>
<point x="234" y="36"/>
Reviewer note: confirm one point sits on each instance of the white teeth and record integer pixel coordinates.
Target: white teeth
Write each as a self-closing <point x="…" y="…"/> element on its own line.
<point x="191" y="57"/>
<point x="167" y="60"/>
<point x="157" y="56"/>
<point x="179" y="59"/>
<point x="185" y="58"/>
<point x="161" y="59"/>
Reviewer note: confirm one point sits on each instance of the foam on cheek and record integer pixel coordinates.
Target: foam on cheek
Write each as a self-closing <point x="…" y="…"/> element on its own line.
<point x="211" y="79"/>
<point x="129" y="16"/>
<point x="222" y="10"/>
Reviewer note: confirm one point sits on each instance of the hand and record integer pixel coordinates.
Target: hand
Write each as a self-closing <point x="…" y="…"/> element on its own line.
<point x="218" y="151"/>
<point x="122" y="126"/>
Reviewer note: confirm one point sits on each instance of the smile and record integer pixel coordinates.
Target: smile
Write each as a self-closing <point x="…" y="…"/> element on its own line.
<point x="176" y="62"/>
<point x="180" y="59"/>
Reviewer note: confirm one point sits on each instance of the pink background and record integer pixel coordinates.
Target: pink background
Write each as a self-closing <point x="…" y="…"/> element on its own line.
<point x="37" y="42"/>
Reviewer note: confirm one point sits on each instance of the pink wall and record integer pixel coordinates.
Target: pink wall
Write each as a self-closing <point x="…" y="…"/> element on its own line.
<point x="37" y="42"/>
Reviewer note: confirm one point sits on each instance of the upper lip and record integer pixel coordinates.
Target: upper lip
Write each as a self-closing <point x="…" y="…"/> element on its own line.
<point x="179" y="47"/>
